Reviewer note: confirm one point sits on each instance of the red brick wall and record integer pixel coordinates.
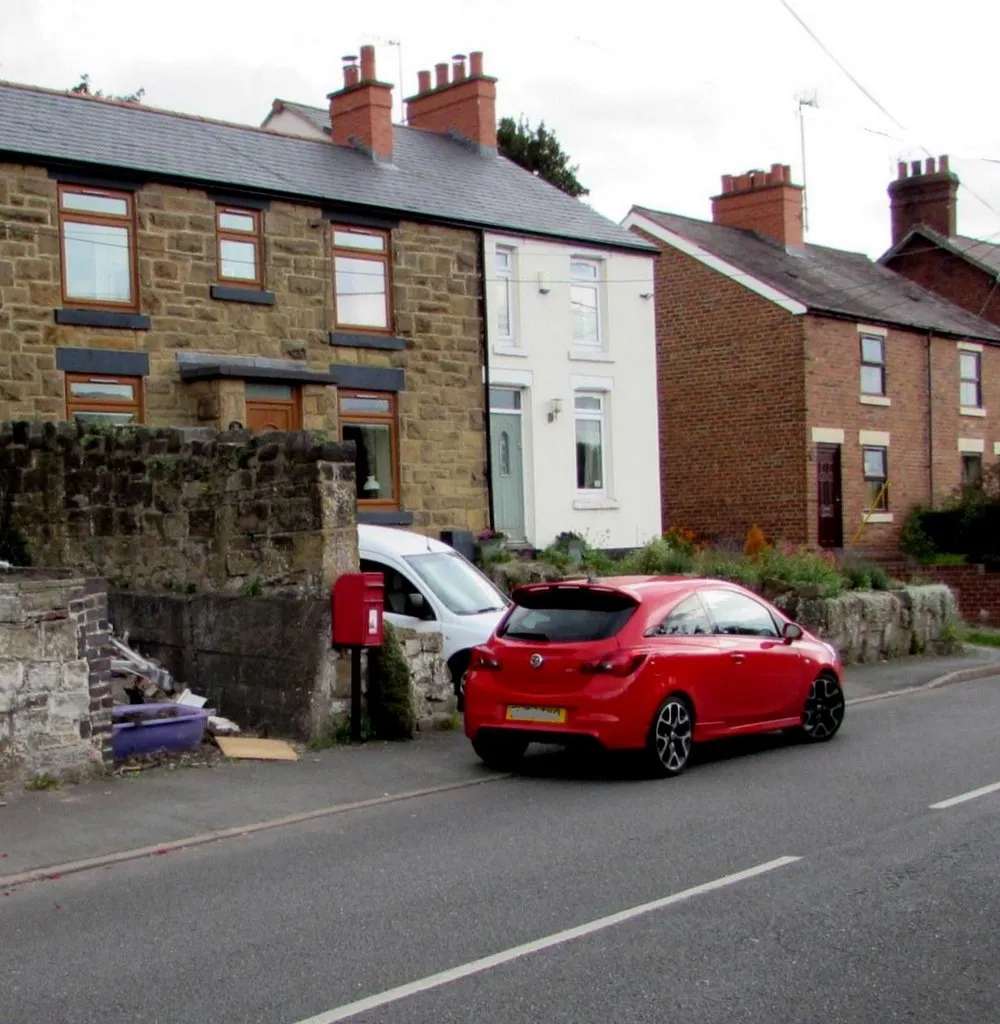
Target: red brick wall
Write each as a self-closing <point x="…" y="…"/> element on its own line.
<point x="949" y="276"/>
<point x="732" y="405"/>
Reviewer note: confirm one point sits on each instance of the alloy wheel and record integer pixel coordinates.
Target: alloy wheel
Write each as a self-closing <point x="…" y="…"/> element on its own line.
<point x="824" y="710"/>
<point x="672" y="735"/>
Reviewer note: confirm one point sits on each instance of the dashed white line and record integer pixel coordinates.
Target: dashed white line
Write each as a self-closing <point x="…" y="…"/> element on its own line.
<point x="486" y="963"/>
<point x="942" y="805"/>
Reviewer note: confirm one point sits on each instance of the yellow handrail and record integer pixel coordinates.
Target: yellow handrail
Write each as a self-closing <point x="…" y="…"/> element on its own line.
<point x="868" y="512"/>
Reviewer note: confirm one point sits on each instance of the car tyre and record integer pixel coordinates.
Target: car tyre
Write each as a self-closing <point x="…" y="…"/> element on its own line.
<point x="500" y="753"/>
<point x="671" y="736"/>
<point x="823" y="713"/>
<point x="459" y="668"/>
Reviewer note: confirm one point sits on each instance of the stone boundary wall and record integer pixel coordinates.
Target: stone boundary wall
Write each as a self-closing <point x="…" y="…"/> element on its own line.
<point x="976" y="587"/>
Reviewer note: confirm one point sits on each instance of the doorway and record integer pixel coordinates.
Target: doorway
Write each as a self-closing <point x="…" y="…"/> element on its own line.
<point x="830" y="532"/>
<point x="507" y="456"/>
<point x="272" y="407"/>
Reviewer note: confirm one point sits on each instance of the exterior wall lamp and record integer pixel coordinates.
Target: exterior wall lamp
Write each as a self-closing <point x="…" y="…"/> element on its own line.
<point x="555" y="407"/>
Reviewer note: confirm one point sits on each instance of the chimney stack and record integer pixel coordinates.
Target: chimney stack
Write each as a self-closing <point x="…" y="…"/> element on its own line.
<point x="464" y="106"/>
<point x="361" y="112"/>
<point x="924" y="195"/>
<point x="763" y="201"/>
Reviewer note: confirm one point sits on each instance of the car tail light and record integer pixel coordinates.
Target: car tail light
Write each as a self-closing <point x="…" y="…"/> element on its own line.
<point x="483" y="659"/>
<point x="621" y="663"/>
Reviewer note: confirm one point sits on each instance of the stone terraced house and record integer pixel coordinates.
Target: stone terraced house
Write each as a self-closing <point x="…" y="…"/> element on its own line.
<point x="164" y="269"/>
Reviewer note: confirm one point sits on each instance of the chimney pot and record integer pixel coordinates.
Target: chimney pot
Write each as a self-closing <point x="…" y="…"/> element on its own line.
<point x="915" y="169"/>
<point x="361" y="113"/>
<point x="476" y="63"/>
<point x="727" y="183"/>
<point x="943" y="164"/>
<point x="464" y="107"/>
<point x="440" y="75"/>
<point x="766" y="202"/>
<point x="368" y="64"/>
<point x="928" y="198"/>
<point x="423" y="82"/>
<point x="929" y="165"/>
<point x="901" y="170"/>
<point x="351" y="75"/>
<point x="458" y="68"/>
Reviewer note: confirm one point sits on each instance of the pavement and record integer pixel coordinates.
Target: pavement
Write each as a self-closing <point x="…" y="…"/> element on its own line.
<point x="158" y="809"/>
<point x="773" y="883"/>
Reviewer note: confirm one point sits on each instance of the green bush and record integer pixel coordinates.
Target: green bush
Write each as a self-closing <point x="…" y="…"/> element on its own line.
<point x="725" y="566"/>
<point x="658" y="558"/>
<point x="390" y="700"/>
<point x="861" y="575"/>
<point x="913" y="538"/>
<point x="801" y="569"/>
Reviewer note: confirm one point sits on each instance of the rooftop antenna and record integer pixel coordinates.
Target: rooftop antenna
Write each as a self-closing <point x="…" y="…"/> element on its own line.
<point x="805" y="99"/>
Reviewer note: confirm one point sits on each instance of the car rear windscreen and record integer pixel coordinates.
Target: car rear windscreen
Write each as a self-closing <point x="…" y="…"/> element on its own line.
<point x="568" y="615"/>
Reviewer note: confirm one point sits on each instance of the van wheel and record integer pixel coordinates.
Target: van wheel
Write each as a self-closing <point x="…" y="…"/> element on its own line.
<point x="459" y="668"/>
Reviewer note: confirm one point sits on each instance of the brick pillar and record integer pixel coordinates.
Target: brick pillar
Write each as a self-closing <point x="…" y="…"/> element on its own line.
<point x="89" y="609"/>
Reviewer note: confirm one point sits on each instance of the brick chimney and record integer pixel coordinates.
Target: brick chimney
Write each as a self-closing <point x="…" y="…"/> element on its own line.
<point x="763" y="201"/>
<point x="361" y="112"/>
<point x="927" y="195"/>
<point x="462" y="105"/>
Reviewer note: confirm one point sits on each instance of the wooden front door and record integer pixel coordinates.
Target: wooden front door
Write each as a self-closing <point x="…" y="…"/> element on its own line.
<point x="272" y="407"/>
<point x="830" y="499"/>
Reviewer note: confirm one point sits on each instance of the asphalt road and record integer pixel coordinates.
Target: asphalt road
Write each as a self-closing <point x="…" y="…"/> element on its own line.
<point x="889" y="913"/>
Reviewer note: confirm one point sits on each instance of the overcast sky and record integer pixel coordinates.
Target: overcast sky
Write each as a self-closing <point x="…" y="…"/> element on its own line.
<point x="654" y="100"/>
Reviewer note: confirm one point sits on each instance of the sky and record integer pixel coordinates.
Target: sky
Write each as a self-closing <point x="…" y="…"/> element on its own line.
<point x="653" y="101"/>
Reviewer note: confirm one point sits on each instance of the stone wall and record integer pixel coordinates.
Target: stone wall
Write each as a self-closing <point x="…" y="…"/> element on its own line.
<point x="976" y="588"/>
<point x="55" y="695"/>
<point x="164" y="509"/>
<point x="433" y="689"/>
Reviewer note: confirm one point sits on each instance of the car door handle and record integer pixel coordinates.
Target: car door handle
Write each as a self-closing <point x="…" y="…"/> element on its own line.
<point x="737" y="657"/>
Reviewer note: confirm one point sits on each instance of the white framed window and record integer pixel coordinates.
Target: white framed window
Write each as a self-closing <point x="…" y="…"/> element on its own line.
<point x="589" y="413"/>
<point x="504" y="296"/>
<point x="585" y="301"/>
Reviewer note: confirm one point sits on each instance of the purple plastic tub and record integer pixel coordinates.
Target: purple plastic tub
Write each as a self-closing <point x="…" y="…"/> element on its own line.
<point x="184" y="730"/>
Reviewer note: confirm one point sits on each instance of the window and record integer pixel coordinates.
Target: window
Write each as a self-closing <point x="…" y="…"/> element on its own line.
<point x="971" y="387"/>
<point x="584" y="296"/>
<point x="503" y="295"/>
<point x="361" y="279"/>
<point x="99" y="399"/>
<point x="874" y="467"/>
<point x="369" y="420"/>
<point x="737" y="615"/>
<point x="401" y="596"/>
<point x="687" y="619"/>
<point x="239" y="234"/>
<point x="872" y="365"/>
<point x="568" y="615"/>
<point x="460" y="587"/>
<point x="972" y="470"/>
<point x="98" y="247"/>
<point x="590" y="440"/>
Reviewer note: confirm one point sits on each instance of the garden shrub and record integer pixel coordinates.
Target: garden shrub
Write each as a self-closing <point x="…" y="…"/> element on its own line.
<point x="390" y="700"/>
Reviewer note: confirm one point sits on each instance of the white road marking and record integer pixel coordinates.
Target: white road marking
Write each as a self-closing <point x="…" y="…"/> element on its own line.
<point x="962" y="797"/>
<point x="486" y="963"/>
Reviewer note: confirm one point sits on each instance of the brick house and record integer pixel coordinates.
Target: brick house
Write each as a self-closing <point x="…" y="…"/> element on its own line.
<point x="808" y="390"/>
<point x="166" y="269"/>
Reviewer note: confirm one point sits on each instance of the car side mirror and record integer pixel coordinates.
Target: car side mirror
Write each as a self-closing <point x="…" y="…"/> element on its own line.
<point x="418" y="605"/>
<point x="791" y="632"/>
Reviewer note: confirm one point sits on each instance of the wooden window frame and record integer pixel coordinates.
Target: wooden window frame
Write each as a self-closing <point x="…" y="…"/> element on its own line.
<point x="384" y="257"/>
<point x="127" y="221"/>
<point x="255" y="237"/>
<point x="977" y="380"/>
<point x="390" y="419"/>
<point x="883" y="506"/>
<point x="108" y="405"/>
<point x="294" y="402"/>
<point x="880" y="365"/>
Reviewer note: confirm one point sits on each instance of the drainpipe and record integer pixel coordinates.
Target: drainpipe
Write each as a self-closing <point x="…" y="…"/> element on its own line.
<point x="486" y="379"/>
<point x="930" y="421"/>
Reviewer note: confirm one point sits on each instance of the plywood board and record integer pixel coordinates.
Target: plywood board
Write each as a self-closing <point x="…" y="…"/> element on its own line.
<point x="257" y="750"/>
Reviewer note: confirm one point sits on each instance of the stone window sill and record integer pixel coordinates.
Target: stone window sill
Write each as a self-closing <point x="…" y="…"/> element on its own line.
<point x="102" y="318"/>
<point x="596" y="505"/>
<point x="230" y="293"/>
<point x="878" y="517"/>
<point x="582" y="355"/>
<point x="509" y="350"/>
<point x="967" y="410"/>
<point x="351" y="339"/>
<point x="385" y="517"/>
<point x="875" y="400"/>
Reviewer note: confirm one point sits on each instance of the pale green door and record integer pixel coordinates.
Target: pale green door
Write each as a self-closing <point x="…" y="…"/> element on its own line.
<point x="508" y="461"/>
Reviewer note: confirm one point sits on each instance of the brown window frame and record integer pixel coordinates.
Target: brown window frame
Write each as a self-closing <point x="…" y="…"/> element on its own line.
<point x="879" y="365"/>
<point x="390" y="419"/>
<point x="255" y="237"/>
<point x="127" y="221"/>
<point x="384" y="257"/>
<point x="972" y="459"/>
<point x="105" y="405"/>
<point x="976" y="380"/>
<point x="882" y="481"/>
<point x="293" y="402"/>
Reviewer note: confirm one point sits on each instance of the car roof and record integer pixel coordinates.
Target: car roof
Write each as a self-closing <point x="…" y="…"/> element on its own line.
<point x="389" y="540"/>
<point x="639" y="588"/>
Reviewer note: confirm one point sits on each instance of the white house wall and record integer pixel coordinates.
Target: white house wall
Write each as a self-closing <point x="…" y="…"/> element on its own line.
<point x="547" y="368"/>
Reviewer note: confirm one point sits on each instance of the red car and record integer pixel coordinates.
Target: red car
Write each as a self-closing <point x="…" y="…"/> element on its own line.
<point x="646" y="663"/>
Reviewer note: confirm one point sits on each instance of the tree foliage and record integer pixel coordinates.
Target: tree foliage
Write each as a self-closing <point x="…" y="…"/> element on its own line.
<point x="538" y="150"/>
<point x="82" y="88"/>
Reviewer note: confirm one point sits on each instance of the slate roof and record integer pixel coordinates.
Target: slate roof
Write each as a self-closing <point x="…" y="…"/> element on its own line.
<point x="432" y="176"/>
<point x="985" y="255"/>
<point x="828" y="280"/>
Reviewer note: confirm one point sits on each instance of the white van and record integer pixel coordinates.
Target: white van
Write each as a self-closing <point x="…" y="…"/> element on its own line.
<point x="430" y="587"/>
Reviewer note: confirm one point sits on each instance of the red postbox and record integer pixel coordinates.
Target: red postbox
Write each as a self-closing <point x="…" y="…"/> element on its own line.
<point x="356" y="604"/>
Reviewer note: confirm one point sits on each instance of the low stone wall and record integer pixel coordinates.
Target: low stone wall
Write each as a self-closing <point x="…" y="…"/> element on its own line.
<point x="432" y="686"/>
<point x="868" y="627"/>
<point x="976" y="588"/>
<point x="55" y="693"/>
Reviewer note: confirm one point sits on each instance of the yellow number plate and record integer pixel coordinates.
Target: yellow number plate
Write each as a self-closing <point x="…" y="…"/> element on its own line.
<point x="519" y="713"/>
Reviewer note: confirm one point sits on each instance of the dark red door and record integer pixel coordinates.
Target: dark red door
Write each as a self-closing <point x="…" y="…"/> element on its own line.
<point x="831" y="528"/>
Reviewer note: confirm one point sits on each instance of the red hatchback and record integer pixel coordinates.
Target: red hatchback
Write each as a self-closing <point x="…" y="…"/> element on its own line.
<point x="646" y="663"/>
